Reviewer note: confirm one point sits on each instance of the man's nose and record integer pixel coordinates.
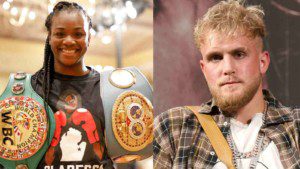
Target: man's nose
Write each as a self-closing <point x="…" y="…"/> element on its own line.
<point x="228" y="65"/>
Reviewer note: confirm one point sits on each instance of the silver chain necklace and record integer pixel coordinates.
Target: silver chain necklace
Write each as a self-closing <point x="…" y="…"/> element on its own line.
<point x="260" y="144"/>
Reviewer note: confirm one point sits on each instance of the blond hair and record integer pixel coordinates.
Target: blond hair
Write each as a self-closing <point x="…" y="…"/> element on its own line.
<point x="229" y="17"/>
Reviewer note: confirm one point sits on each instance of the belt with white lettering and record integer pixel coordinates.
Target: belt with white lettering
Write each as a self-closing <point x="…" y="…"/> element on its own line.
<point x="25" y="125"/>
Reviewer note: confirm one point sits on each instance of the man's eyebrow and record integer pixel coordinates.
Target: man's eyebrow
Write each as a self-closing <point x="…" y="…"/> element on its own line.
<point x="239" y="49"/>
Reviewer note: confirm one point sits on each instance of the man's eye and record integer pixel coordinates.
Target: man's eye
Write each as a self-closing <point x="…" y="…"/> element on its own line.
<point x="215" y="58"/>
<point x="240" y="54"/>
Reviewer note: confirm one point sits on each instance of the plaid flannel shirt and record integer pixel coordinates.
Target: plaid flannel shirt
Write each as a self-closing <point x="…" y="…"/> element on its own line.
<point x="180" y="142"/>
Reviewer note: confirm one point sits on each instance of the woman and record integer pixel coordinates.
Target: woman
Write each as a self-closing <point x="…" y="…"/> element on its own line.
<point x="72" y="90"/>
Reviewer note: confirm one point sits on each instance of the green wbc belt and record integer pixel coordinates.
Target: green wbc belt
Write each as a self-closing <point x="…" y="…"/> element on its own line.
<point x="127" y="95"/>
<point x="26" y="127"/>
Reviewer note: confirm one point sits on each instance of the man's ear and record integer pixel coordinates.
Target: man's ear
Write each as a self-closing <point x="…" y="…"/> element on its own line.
<point x="264" y="62"/>
<point x="202" y="65"/>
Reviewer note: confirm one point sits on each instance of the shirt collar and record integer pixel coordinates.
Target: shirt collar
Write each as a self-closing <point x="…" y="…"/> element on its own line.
<point x="276" y="113"/>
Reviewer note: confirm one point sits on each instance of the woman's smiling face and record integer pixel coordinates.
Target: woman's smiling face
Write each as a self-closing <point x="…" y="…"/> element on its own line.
<point x="69" y="38"/>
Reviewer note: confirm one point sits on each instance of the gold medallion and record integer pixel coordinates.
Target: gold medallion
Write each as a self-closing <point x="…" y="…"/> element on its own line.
<point x="132" y="119"/>
<point x="23" y="124"/>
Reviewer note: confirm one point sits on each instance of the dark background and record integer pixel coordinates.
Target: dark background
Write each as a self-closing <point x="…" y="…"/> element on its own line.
<point x="178" y="80"/>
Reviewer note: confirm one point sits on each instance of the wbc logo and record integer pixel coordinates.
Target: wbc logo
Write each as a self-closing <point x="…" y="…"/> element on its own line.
<point x="23" y="125"/>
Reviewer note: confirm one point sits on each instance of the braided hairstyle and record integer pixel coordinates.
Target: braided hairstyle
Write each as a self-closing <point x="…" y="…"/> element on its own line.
<point x="47" y="71"/>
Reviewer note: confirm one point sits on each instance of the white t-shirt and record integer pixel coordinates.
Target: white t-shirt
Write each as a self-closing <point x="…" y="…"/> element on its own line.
<point x="244" y="136"/>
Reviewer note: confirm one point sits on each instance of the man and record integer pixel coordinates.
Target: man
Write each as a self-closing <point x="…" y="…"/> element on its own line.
<point x="259" y="130"/>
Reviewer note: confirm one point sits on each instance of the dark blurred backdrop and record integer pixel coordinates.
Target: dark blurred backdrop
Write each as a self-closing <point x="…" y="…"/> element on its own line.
<point x="178" y="79"/>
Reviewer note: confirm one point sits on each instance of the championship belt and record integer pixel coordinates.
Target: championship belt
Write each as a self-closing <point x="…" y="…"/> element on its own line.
<point x="127" y="95"/>
<point x="26" y="128"/>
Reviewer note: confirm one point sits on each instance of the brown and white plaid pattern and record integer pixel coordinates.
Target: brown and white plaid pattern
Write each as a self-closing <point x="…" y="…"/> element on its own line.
<point x="180" y="142"/>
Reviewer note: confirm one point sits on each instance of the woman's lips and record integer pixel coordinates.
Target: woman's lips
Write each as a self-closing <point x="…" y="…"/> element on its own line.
<point x="68" y="52"/>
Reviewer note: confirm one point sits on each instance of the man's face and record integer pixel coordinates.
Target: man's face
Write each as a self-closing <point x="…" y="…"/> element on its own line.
<point x="233" y="68"/>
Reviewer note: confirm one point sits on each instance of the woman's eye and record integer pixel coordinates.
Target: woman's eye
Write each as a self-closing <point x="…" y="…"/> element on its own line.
<point x="79" y="34"/>
<point x="59" y="34"/>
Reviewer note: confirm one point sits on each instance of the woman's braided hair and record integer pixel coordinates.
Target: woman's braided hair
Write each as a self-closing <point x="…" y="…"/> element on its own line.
<point x="47" y="70"/>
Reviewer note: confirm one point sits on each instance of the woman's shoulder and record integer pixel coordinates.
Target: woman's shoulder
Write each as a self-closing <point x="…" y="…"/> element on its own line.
<point x="93" y="71"/>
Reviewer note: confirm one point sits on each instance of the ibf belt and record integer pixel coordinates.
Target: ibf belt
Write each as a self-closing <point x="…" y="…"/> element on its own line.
<point x="127" y="95"/>
<point x="26" y="128"/>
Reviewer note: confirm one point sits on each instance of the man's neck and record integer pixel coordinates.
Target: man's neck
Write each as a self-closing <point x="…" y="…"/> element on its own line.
<point x="256" y="105"/>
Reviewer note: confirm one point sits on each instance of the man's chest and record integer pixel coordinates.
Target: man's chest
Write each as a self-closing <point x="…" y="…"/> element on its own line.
<point x="196" y="150"/>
